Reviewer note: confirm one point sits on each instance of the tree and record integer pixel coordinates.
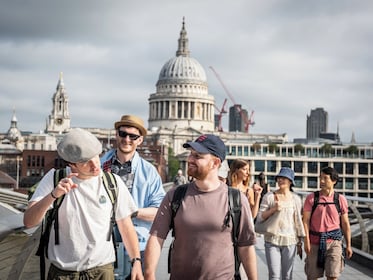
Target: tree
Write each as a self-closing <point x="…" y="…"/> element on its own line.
<point x="326" y="149"/>
<point x="272" y="147"/>
<point x="352" y="150"/>
<point x="173" y="164"/>
<point x="299" y="148"/>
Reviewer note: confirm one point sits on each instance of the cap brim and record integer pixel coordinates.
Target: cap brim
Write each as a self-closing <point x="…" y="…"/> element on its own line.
<point x="197" y="147"/>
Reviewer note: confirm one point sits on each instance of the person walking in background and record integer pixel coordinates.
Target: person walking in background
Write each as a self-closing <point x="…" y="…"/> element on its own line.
<point x="284" y="235"/>
<point x="179" y="178"/>
<point x="265" y="186"/>
<point x="324" y="228"/>
<point x="140" y="176"/>
<point x="239" y="178"/>
<point x="84" y="215"/>
<point x="202" y="248"/>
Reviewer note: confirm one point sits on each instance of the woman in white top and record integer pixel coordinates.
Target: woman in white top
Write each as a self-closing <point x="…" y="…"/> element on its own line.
<point x="285" y="241"/>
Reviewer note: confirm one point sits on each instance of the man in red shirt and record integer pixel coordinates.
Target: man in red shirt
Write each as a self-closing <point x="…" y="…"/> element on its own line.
<point x="324" y="229"/>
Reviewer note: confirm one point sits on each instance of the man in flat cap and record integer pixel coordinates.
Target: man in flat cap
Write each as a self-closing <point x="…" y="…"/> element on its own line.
<point x="139" y="175"/>
<point x="85" y="247"/>
<point x="202" y="248"/>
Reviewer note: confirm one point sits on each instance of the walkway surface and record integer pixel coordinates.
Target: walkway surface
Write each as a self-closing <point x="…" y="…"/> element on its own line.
<point x="352" y="270"/>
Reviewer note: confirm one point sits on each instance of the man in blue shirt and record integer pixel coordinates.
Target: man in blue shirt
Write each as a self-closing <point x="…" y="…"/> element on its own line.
<point x="140" y="176"/>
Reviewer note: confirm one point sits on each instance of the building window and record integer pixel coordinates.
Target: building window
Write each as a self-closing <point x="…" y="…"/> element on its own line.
<point x="246" y="151"/>
<point x="239" y="150"/>
<point x="349" y="168"/>
<point x="298" y="166"/>
<point x="298" y="181"/>
<point x="349" y="183"/>
<point x="363" y="168"/>
<point x="271" y="166"/>
<point x="285" y="164"/>
<point x="312" y="167"/>
<point x="233" y="151"/>
<point x="259" y="166"/>
<point x="338" y="166"/>
<point x="312" y="182"/>
<point x="363" y="184"/>
<point x="323" y="164"/>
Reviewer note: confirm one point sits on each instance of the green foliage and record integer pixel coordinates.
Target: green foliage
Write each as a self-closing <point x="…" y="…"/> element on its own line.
<point x="326" y="149"/>
<point x="299" y="148"/>
<point x="272" y="147"/>
<point x="352" y="150"/>
<point x="173" y="164"/>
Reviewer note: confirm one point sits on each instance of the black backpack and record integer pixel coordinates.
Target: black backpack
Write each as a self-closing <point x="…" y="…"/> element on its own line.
<point x="52" y="215"/>
<point x="234" y="212"/>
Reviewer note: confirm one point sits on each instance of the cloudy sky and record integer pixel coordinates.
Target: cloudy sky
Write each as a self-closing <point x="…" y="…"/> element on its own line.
<point x="280" y="59"/>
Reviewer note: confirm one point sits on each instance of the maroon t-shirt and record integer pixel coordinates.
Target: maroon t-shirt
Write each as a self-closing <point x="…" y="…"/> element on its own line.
<point x="203" y="247"/>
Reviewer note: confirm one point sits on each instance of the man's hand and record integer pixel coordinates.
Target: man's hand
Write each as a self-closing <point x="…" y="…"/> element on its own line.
<point x="64" y="186"/>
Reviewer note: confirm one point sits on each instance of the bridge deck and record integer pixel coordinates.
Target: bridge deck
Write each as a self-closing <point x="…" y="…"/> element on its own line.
<point x="352" y="269"/>
<point x="14" y="249"/>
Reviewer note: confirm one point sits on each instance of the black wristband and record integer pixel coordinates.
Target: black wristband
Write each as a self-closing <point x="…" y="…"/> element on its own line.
<point x="134" y="260"/>
<point x="52" y="195"/>
<point x="134" y="214"/>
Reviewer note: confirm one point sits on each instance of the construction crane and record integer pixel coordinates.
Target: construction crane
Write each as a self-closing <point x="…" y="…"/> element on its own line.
<point x="220" y="114"/>
<point x="246" y="120"/>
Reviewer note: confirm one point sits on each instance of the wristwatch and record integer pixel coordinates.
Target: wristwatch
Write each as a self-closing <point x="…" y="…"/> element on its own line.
<point x="134" y="260"/>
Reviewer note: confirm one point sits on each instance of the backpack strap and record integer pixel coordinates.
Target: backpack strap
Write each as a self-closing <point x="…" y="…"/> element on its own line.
<point x="176" y="202"/>
<point x="316" y="197"/>
<point x="51" y="215"/>
<point x="110" y="184"/>
<point x="178" y="196"/>
<point x="336" y="202"/>
<point x="235" y="212"/>
<point x="58" y="175"/>
<point x="111" y="187"/>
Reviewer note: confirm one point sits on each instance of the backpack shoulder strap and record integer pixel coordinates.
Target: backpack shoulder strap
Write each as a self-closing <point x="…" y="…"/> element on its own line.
<point x="316" y="197"/>
<point x="58" y="175"/>
<point x="234" y="201"/>
<point x="178" y="196"/>
<point x="51" y="215"/>
<point x="176" y="202"/>
<point x="336" y="202"/>
<point x="110" y="184"/>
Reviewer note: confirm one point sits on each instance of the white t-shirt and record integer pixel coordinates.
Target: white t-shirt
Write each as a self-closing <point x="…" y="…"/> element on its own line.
<point x="84" y="222"/>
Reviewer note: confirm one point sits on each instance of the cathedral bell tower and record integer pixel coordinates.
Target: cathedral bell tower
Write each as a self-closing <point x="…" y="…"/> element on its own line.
<point x="59" y="119"/>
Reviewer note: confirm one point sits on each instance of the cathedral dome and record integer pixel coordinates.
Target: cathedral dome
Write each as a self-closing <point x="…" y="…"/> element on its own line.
<point x="183" y="68"/>
<point x="181" y="99"/>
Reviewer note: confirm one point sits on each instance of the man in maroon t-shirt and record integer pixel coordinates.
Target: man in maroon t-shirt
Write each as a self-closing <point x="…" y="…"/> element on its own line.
<point x="203" y="247"/>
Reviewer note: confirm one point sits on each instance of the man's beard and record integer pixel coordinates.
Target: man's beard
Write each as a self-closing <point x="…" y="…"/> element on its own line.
<point x="197" y="173"/>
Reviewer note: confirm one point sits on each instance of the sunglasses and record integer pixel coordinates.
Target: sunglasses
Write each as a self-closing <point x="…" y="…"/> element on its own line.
<point x="124" y="134"/>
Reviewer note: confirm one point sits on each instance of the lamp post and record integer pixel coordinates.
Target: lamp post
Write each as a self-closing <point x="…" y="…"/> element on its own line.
<point x="17" y="175"/>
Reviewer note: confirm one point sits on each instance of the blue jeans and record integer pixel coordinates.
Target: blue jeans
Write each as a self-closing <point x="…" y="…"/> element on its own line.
<point x="280" y="261"/>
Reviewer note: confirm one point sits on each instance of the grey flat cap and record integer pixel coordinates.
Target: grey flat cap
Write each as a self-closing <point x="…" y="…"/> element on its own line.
<point x="79" y="145"/>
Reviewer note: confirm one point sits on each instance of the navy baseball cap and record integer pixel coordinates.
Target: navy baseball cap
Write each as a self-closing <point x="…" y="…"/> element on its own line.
<point x="208" y="144"/>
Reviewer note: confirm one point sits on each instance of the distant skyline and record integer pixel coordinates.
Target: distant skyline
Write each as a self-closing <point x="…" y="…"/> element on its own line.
<point x="280" y="59"/>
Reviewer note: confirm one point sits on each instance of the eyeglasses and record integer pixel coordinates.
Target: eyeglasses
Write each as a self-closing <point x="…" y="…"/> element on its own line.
<point x="124" y="134"/>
